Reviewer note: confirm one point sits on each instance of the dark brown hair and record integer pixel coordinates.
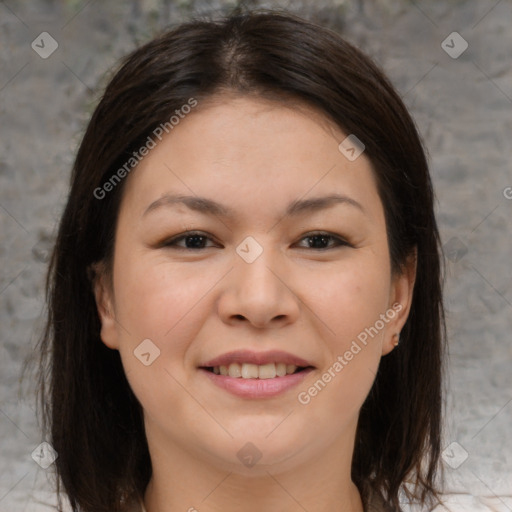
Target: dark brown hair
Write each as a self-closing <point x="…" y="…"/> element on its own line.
<point x="95" y="421"/>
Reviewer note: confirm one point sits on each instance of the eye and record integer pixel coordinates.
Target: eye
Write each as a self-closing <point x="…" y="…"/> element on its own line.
<point x="320" y="241"/>
<point x="193" y="240"/>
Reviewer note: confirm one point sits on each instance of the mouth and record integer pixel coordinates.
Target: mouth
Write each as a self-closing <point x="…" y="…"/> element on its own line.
<point x="254" y="371"/>
<point x="256" y="374"/>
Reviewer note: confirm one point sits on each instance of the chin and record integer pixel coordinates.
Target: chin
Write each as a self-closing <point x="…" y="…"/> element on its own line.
<point x="259" y="454"/>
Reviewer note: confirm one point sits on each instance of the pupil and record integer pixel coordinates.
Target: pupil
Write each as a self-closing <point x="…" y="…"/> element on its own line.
<point x="324" y="239"/>
<point x="197" y="240"/>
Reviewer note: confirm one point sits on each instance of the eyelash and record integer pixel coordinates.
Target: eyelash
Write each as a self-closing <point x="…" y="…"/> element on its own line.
<point x="173" y="241"/>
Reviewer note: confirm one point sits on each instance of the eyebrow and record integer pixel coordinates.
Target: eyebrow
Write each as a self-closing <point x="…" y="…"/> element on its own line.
<point x="211" y="207"/>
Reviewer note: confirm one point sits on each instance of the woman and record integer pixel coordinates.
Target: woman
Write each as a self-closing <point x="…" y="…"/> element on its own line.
<point x="245" y="296"/>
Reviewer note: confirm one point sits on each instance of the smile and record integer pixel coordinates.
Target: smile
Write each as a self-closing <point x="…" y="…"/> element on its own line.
<point x="257" y="387"/>
<point x="254" y="371"/>
<point x="249" y="374"/>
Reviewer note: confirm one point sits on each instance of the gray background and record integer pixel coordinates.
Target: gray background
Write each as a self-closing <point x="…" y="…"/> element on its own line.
<point x="462" y="107"/>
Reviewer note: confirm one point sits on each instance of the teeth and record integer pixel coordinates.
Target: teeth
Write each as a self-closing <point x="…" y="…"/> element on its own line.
<point x="281" y="369"/>
<point x="235" y="370"/>
<point x="267" y="371"/>
<point x="249" y="371"/>
<point x="254" y="371"/>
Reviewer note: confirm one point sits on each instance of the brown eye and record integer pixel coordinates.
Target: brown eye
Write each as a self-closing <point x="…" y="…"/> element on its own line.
<point x="320" y="241"/>
<point x="193" y="241"/>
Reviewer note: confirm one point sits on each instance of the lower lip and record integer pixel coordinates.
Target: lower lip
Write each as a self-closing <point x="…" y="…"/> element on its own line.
<point x="257" y="388"/>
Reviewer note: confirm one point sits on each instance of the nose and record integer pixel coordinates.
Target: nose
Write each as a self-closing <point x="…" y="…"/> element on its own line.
<point x="260" y="293"/>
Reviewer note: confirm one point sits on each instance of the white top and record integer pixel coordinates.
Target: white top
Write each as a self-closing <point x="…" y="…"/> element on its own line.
<point x="466" y="502"/>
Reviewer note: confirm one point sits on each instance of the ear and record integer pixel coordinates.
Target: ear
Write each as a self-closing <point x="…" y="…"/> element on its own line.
<point x="400" y="300"/>
<point x="104" y="295"/>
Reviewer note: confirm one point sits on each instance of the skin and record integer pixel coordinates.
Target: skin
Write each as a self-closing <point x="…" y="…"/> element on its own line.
<point x="255" y="157"/>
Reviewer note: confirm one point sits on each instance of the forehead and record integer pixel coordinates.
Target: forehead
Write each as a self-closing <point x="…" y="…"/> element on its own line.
<point x="238" y="148"/>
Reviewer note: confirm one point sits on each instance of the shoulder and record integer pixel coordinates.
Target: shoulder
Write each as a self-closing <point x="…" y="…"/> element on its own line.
<point x="450" y="503"/>
<point x="463" y="503"/>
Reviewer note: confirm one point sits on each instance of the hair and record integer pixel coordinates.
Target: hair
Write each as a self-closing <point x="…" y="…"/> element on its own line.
<point x="93" y="419"/>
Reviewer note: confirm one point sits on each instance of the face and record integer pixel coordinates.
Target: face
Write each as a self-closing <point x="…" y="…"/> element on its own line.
<point x="260" y="276"/>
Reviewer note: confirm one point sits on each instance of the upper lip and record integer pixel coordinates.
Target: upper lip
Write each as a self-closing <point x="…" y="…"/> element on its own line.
<point x="259" y="358"/>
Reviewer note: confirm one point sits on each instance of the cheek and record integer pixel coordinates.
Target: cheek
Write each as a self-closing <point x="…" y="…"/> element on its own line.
<point x="153" y="298"/>
<point x="350" y="305"/>
<point x="352" y="298"/>
<point x="167" y="304"/>
<point x="155" y="302"/>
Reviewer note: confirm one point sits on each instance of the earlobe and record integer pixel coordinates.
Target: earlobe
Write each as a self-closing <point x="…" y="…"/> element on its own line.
<point x="103" y="295"/>
<point x="401" y="300"/>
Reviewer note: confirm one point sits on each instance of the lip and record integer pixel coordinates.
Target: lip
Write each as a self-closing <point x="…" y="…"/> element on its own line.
<point x="259" y="358"/>
<point x="256" y="388"/>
